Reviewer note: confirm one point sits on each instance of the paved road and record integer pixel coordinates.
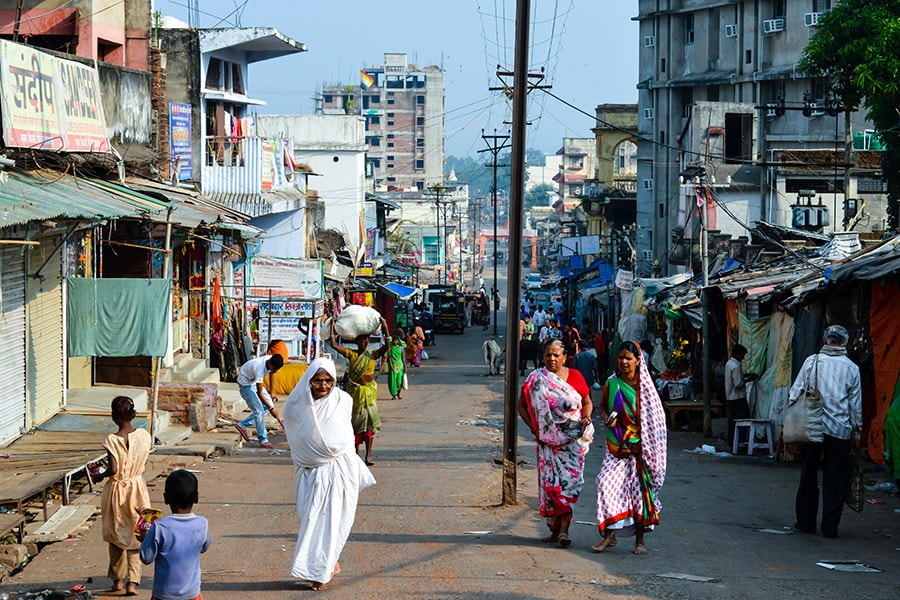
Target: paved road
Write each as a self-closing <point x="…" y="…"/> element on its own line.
<point x="432" y="527"/>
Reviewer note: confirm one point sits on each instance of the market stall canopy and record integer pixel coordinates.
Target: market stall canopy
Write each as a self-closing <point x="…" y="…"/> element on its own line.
<point x="395" y="290"/>
<point x="25" y="198"/>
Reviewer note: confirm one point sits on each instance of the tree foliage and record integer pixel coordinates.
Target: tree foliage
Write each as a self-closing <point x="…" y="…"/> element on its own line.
<point x="855" y="51"/>
<point x="537" y="196"/>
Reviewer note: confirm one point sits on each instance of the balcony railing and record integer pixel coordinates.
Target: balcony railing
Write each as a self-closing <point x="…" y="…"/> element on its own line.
<point x="244" y="165"/>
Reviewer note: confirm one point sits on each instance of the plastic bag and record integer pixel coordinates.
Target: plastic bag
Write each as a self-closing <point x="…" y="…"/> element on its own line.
<point x="356" y="320"/>
<point x="855" y="498"/>
<point x="146" y="516"/>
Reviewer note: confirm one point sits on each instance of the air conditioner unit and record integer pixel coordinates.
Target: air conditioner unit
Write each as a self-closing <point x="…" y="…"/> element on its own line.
<point x="648" y="184"/>
<point x="818" y="109"/>
<point x="731" y="30"/>
<point x="771" y="112"/>
<point x="773" y="25"/>
<point x="648" y="114"/>
<point x="812" y="19"/>
<point x="649" y="41"/>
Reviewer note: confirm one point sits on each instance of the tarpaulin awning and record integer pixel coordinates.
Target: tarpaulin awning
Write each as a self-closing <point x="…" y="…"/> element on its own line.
<point x="395" y="290"/>
<point x="118" y="317"/>
<point x="24" y="198"/>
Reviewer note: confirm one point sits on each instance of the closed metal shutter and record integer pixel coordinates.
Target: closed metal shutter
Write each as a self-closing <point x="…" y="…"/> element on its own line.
<point x="45" y="369"/>
<point x="12" y="341"/>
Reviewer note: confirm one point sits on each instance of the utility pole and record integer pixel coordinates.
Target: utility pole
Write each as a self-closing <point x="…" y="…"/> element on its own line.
<point x="704" y="306"/>
<point x="438" y="192"/>
<point x="514" y="275"/>
<point x="495" y="145"/>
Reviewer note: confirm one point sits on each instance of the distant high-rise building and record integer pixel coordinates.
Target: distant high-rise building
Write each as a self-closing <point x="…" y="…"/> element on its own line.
<point x="404" y="110"/>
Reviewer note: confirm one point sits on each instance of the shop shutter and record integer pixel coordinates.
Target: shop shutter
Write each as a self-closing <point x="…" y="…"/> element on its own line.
<point x="12" y="341"/>
<point x="45" y="368"/>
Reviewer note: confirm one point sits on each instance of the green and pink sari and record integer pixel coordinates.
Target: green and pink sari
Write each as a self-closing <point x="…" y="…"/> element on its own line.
<point x="634" y="467"/>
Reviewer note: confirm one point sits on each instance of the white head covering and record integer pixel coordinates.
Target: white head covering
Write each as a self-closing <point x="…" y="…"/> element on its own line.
<point x="318" y="431"/>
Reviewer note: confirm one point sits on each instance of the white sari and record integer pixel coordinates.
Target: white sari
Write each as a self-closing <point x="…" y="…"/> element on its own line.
<point x="328" y="474"/>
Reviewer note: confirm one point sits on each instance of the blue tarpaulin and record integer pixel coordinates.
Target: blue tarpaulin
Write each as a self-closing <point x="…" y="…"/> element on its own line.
<point x="402" y="292"/>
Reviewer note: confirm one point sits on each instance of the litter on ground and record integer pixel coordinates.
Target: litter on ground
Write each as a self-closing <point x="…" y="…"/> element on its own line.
<point x="849" y="566"/>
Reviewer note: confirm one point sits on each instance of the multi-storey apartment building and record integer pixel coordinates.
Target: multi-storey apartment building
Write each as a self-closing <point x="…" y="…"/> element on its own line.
<point x="720" y="90"/>
<point x="404" y="110"/>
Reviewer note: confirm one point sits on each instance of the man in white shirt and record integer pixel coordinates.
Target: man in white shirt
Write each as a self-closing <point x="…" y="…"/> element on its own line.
<point x="539" y="317"/>
<point x="250" y="379"/>
<point x="837" y="379"/>
<point x="736" y="389"/>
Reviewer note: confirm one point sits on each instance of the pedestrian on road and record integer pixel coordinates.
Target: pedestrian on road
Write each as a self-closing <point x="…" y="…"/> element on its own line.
<point x="362" y="388"/>
<point x="736" y="388"/>
<point x="634" y="467"/>
<point x="837" y="380"/>
<point x="176" y="542"/>
<point x="555" y="403"/>
<point x="396" y="363"/>
<point x="586" y="363"/>
<point x="413" y="348"/>
<point x="328" y="473"/>
<point x="250" y="379"/>
<point x="126" y="451"/>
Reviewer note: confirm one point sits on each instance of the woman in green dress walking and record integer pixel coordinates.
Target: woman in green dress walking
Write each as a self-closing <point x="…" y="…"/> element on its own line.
<point x="396" y="363"/>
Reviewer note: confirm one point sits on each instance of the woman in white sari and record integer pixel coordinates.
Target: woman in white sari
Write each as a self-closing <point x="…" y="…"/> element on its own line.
<point x="328" y="474"/>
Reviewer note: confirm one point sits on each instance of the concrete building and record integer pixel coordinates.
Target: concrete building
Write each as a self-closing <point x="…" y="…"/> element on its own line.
<point x="578" y="163"/>
<point x="110" y="31"/>
<point x="719" y="89"/>
<point x="543" y="173"/>
<point x="206" y="78"/>
<point x="404" y="111"/>
<point x="334" y="147"/>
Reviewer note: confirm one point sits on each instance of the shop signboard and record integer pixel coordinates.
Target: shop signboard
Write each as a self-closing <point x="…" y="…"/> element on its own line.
<point x="180" y="141"/>
<point x="50" y="103"/>
<point x="283" y="278"/>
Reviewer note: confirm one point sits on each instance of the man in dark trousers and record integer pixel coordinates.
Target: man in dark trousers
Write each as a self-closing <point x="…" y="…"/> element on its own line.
<point x="736" y="389"/>
<point x="837" y="379"/>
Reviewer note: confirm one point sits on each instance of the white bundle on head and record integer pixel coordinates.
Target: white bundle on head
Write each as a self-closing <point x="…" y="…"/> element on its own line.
<point x="356" y="320"/>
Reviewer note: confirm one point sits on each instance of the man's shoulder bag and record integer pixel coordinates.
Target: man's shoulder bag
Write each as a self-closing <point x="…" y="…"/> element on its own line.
<point x="803" y="415"/>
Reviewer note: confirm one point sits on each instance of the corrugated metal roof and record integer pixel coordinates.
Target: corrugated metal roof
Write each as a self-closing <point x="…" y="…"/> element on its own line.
<point x="191" y="209"/>
<point x="24" y="198"/>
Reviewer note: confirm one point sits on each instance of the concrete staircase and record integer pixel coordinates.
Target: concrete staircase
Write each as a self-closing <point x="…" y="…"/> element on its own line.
<point x="188" y="369"/>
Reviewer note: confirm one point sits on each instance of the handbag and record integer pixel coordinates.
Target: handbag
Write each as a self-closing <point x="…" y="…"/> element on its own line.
<point x="803" y="415"/>
<point x="855" y="498"/>
<point x="405" y="382"/>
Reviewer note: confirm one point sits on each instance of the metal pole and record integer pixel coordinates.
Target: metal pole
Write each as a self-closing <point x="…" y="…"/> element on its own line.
<point x="495" y="248"/>
<point x="514" y="272"/>
<point x="704" y="308"/>
<point x="157" y="360"/>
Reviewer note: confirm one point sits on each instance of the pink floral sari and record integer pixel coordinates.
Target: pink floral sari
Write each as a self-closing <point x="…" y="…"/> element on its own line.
<point x="555" y="409"/>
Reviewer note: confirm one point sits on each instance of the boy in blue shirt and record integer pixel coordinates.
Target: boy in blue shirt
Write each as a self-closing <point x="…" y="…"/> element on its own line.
<point x="175" y="542"/>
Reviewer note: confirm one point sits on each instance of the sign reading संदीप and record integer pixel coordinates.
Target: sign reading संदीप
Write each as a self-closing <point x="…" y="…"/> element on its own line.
<point x="50" y="103"/>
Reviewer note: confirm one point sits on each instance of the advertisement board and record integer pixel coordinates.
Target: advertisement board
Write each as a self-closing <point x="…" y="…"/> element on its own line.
<point x="282" y="277"/>
<point x="50" y="103"/>
<point x="180" y="141"/>
<point x="582" y="244"/>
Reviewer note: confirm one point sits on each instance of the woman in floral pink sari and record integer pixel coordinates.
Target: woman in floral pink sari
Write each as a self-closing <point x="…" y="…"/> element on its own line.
<point x="556" y="405"/>
<point x="634" y="467"/>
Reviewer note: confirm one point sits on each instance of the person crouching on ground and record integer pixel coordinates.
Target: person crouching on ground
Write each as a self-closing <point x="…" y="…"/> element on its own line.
<point x="127" y="451"/>
<point x="328" y="474"/>
<point x="250" y="379"/>
<point x="175" y="543"/>
<point x="362" y="388"/>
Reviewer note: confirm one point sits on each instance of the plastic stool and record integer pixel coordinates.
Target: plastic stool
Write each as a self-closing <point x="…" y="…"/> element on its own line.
<point x="752" y="425"/>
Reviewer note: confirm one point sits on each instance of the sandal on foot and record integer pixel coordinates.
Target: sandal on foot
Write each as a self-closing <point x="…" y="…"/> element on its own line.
<point x="243" y="432"/>
<point x="564" y="540"/>
<point x="552" y="539"/>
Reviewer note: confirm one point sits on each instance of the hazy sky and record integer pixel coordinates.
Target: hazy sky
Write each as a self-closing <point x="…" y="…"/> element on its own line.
<point x="587" y="47"/>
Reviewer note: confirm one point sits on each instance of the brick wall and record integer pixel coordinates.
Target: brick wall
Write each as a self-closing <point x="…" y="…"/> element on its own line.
<point x="177" y="398"/>
<point x="160" y="112"/>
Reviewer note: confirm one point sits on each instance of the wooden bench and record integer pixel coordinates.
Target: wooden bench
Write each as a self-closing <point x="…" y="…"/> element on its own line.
<point x="9" y="522"/>
<point x="23" y="486"/>
<point x="674" y="407"/>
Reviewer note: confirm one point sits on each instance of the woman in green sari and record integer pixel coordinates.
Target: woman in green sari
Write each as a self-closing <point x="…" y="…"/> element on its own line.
<point x="362" y="388"/>
<point x="395" y="361"/>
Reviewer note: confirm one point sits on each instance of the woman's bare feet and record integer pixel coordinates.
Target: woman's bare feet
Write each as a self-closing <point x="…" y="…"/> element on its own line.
<point x="337" y="569"/>
<point x="317" y="586"/>
<point x="640" y="549"/>
<point x="609" y="540"/>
